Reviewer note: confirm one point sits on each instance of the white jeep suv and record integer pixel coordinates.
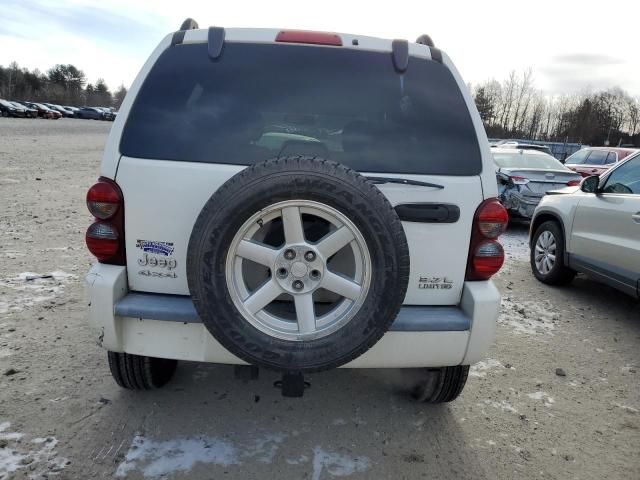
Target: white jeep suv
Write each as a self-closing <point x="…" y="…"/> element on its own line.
<point x="297" y="201"/>
<point x="594" y="230"/>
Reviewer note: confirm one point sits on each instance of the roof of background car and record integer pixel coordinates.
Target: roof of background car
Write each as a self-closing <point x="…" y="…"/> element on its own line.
<point x="612" y="149"/>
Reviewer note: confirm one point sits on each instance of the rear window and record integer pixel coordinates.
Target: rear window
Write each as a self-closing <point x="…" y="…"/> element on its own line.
<point x="596" y="157"/>
<point x="260" y="101"/>
<point x="578" y="158"/>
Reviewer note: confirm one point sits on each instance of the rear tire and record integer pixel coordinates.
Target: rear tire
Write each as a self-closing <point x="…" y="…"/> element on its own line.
<point x="342" y="196"/>
<point x="137" y="372"/>
<point x="441" y="384"/>
<point x="554" y="272"/>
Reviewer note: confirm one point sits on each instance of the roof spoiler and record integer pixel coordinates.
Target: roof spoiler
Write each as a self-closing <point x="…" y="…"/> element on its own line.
<point x="436" y="54"/>
<point x="188" y="24"/>
<point x="215" y="37"/>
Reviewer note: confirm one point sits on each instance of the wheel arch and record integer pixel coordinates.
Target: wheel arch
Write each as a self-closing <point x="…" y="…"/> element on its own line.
<point x="545" y="217"/>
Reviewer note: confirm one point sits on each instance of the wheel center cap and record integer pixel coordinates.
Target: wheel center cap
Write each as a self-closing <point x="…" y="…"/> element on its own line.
<point x="299" y="269"/>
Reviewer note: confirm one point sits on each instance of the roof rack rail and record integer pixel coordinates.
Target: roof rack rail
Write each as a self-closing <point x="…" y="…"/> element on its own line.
<point x="425" y="39"/>
<point x="189" y="24"/>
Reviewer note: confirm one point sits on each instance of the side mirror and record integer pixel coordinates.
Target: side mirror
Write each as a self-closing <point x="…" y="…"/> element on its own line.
<point x="590" y="184"/>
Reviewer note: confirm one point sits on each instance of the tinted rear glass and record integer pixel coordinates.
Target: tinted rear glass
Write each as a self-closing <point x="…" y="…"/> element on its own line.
<point x="596" y="157"/>
<point x="578" y="158"/>
<point x="260" y="101"/>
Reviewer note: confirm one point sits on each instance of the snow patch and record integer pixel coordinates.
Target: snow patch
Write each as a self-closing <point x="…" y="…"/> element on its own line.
<point x="529" y="318"/>
<point x="337" y="464"/>
<point x="501" y="405"/>
<point x="42" y="460"/>
<point x="161" y="458"/>
<point x="627" y="408"/>
<point x="544" y="396"/>
<point x="33" y="288"/>
<point x="480" y="369"/>
<point x="516" y="243"/>
<point x="297" y="461"/>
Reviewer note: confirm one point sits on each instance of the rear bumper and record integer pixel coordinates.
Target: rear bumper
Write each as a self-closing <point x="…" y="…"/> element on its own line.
<point x="167" y="326"/>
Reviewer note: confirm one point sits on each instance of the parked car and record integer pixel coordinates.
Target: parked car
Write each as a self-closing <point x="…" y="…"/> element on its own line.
<point x="9" y="109"/>
<point x="74" y="110"/>
<point x="45" y="112"/>
<point x="522" y="146"/>
<point x="299" y="263"/>
<point x="90" y="113"/>
<point x="29" y="112"/>
<point x="108" y="113"/>
<point x="524" y="176"/>
<point x="593" y="230"/>
<point x="597" y="160"/>
<point x="58" y="108"/>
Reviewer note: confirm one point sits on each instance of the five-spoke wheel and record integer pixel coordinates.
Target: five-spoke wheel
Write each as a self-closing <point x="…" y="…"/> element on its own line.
<point x="327" y="279"/>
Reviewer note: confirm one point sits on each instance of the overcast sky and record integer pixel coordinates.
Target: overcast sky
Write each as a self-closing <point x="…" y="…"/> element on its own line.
<point x="571" y="45"/>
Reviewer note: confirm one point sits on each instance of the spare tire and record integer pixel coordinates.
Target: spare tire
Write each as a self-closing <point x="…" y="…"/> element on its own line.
<point x="298" y="264"/>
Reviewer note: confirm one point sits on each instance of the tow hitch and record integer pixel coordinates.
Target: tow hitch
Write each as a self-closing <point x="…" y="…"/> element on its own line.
<point x="292" y="384"/>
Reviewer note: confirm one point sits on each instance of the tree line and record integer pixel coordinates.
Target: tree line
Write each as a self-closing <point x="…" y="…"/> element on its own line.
<point x="514" y="108"/>
<point x="61" y="84"/>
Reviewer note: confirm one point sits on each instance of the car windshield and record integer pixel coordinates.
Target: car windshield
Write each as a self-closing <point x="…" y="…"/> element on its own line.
<point x="341" y="104"/>
<point x="524" y="159"/>
<point x="5" y="103"/>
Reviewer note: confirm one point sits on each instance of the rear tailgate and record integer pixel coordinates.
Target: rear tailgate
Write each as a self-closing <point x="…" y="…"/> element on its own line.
<point x="161" y="212"/>
<point x="195" y="123"/>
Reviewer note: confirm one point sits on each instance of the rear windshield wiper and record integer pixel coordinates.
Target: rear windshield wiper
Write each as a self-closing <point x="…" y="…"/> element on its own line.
<point x="403" y="181"/>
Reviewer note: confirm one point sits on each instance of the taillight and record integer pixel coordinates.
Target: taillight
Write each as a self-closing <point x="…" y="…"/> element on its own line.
<point x="314" y="38"/>
<point x="492" y="218"/>
<point x="574" y="183"/>
<point x="486" y="255"/>
<point x="518" y="180"/>
<point x="103" y="199"/>
<point x="105" y="237"/>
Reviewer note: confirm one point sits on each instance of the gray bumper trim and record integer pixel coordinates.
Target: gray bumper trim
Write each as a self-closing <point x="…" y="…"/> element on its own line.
<point x="178" y="308"/>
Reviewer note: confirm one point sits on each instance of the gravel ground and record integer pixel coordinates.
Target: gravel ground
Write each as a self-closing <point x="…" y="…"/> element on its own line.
<point x="557" y="396"/>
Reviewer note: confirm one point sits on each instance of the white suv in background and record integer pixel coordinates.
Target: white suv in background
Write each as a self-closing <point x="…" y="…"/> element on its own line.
<point x="594" y="230"/>
<point x="297" y="201"/>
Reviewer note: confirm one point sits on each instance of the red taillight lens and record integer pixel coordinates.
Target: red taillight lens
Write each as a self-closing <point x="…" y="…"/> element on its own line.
<point x="486" y="255"/>
<point x="574" y="183"/>
<point x="492" y="219"/>
<point x="102" y="241"/>
<point x="314" y="38"/>
<point x="103" y="199"/>
<point x="105" y="237"/>
<point x="488" y="259"/>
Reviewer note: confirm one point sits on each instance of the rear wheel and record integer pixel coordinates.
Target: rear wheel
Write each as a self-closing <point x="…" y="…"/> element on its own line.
<point x="441" y="385"/>
<point x="547" y="255"/>
<point x="137" y="372"/>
